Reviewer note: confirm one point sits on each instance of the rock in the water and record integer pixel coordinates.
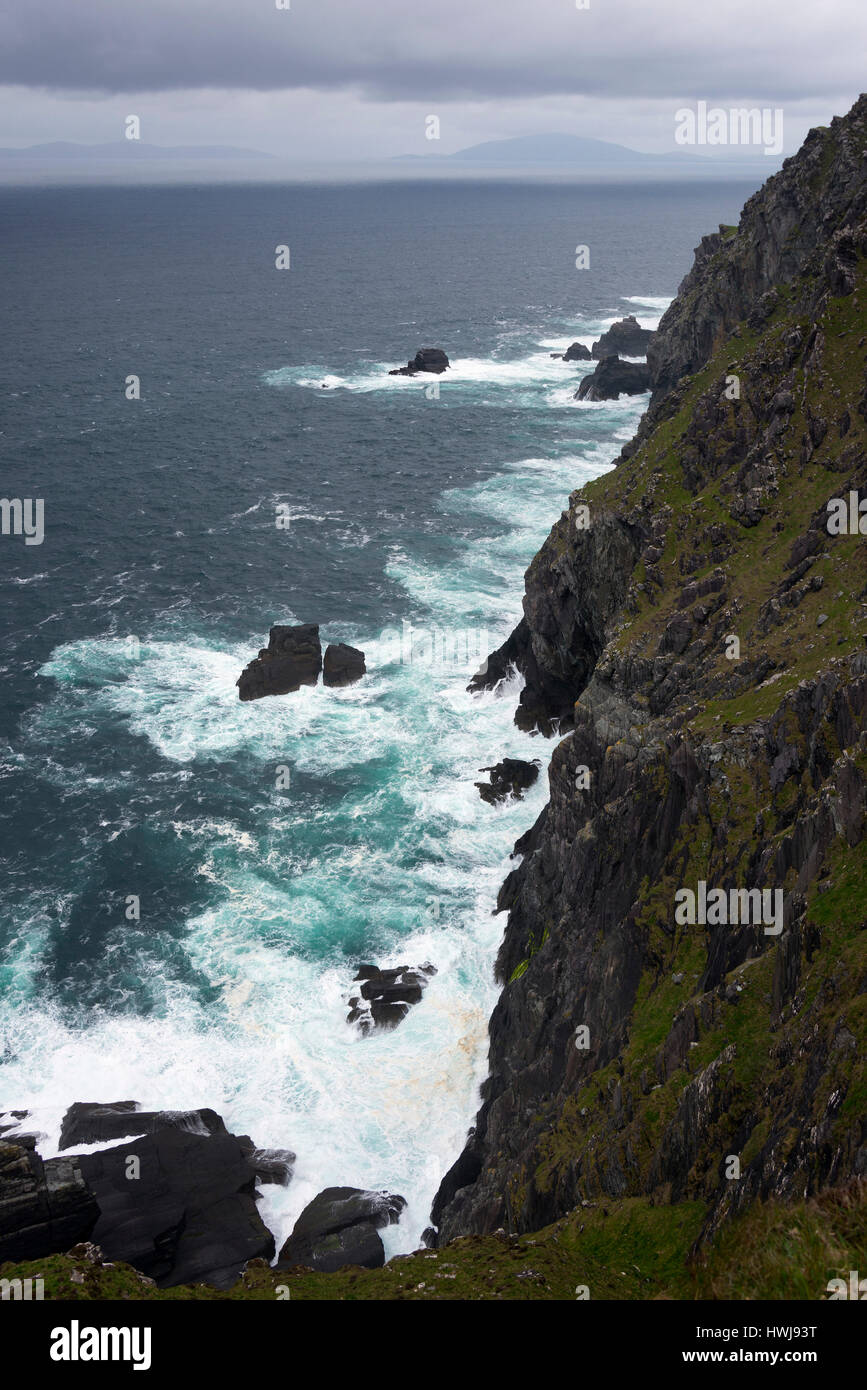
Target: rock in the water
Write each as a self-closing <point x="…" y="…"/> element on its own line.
<point x="425" y="360"/>
<point x="88" y="1122"/>
<point x="292" y="658"/>
<point x="511" y="777"/>
<point x="340" y="1227"/>
<point x="626" y="337"/>
<point x="385" y="996"/>
<point x="10" y="1120"/>
<point x="613" y="378"/>
<point x="269" y="1165"/>
<point x="343" y="665"/>
<point x="44" y="1206"/>
<point x="577" y="352"/>
<point x="189" y="1216"/>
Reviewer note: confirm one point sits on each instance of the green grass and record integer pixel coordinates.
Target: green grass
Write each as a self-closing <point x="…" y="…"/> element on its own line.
<point x="620" y="1250"/>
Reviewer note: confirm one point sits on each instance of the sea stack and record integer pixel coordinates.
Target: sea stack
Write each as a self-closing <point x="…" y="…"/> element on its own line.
<point x="292" y="658"/>
<point x="626" y="337"/>
<point x="577" y="352"/>
<point x="426" y="360"/>
<point x="613" y="378"/>
<point x="343" y="665"/>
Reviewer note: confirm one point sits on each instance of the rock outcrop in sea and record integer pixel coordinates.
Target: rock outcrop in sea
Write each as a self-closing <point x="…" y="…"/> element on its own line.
<point x="426" y="360"/>
<point x="341" y="1227"/>
<point x="575" y="352"/>
<point x="510" y="777"/>
<point x="384" y="997"/>
<point x="625" y="338"/>
<point x="292" y="658"/>
<point x="343" y="665"/>
<point x="613" y="378"/>
<point x="175" y="1196"/>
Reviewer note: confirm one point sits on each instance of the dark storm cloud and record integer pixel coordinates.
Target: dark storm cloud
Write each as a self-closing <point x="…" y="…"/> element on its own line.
<point x="392" y="50"/>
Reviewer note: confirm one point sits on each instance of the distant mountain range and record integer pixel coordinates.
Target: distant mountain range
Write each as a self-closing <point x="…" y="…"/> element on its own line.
<point x="567" y="150"/>
<point x="569" y="154"/>
<point x="66" y="151"/>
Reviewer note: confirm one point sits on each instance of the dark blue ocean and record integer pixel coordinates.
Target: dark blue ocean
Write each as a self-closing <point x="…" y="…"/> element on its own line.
<point x="128" y="766"/>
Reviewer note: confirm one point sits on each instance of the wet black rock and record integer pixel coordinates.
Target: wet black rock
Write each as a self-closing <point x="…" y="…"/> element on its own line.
<point x="343" y="665"/>
<point x="511" y="777"/>
<point x="88" y="1122"/>
<point x="292" y="658"/>
<point x="626" y="337"/>
<point x="44" y="1206"/>
<point x="180" y="1207"/>
<point x="613" y="378"/>
<point x="425" y="360"/>
<point x="577" y="352"/>
<point x="268" y="1165"/>
<point x="10" y="1120"/>
<point x="177" y="1200"/>
<point x="385" y="997"/>
<point x="341" y="1227"/>
<point x="574" y="588"/>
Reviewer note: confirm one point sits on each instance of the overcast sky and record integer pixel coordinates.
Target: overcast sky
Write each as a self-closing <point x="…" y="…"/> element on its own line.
<point x="355" y="79"/>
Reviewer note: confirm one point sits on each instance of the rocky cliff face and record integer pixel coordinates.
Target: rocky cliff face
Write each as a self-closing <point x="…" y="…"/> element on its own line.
<point x="699" y="623"/>
<point x="43" y="1206"/>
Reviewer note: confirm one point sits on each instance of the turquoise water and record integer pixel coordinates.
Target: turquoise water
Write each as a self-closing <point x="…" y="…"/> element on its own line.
<point x="127" y="764"/>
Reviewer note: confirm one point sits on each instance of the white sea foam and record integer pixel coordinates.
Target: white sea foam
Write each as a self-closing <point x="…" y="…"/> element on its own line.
<point x="275" y="1056"/>
<point x="658" y="303"/>
<point x="407" y="857"/>
<point x="465" y="373"/>
<point x="654" y="301"/>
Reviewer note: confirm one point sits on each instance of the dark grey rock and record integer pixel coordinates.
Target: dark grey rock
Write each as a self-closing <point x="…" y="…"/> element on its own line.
<point x="386" y="996"/>
<point x="44" y="1206"/>
<point x="89" y="1122"/>
<point x="292" y="658"/>
<point x="577" y="352"/>
<point x="10" y="1120"/>
<point x="269" y="1165"/>
<point x="425" y="360"/>
<point x="511" y="777"/>
<point x="625" y="337"/>
<point x="613" y="378"/>
<point x="190" y="1217"/>
<point x="340" y="1227"/>
<point x="343" y="665"/>
<point x="574" y="587"/>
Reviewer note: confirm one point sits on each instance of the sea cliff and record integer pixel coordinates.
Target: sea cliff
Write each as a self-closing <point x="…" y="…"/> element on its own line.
<point x="697" y="620"/>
